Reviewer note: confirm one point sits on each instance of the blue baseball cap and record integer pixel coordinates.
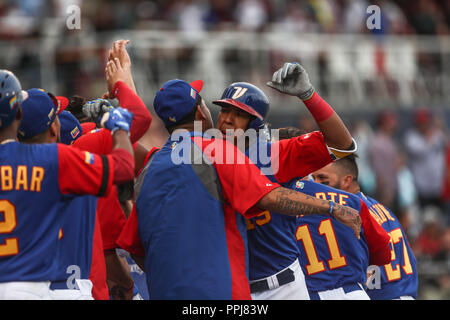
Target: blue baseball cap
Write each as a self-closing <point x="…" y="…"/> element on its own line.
<point x="176" y="99"/>
<point x="39" y="111"/>
<point x="71" y="128"/>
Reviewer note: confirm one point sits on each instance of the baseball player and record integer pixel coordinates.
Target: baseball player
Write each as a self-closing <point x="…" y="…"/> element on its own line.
<point x="189" y="208"/>
<point x="75" y="259"/>
<point x="71" y="130"/>
<point x="37" y="180"/>
<point x="111" y="215"/>
<point x="397" y="279"/>
<point x="333" y="261"/>
<point x="274" y="269"/>
<point x="99" y="141"/>
<point x="75" y="252"/>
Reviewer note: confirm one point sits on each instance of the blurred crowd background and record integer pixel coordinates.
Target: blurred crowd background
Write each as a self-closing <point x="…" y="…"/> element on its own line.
<point x="390" y="85"/>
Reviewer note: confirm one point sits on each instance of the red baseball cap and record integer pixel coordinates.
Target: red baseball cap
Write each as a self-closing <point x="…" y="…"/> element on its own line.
<point x="60" y="102"/>
<point x="63" y="102"/>
<point x="88" y="126"/>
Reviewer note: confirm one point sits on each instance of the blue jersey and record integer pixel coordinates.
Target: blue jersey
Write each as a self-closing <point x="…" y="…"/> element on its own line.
<point x="330" y="254"/>
<point x="398" y="278"/>
<point x="271" y="241"/>
<point x="271" y="236"/>
<point x="34" y="184"/>
<point x="193" y="240"/>
<point x="75" y="244"/>
<point x="139" y="278"/>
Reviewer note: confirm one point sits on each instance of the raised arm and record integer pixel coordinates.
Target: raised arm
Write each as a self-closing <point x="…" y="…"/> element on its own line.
<point x="118" y="121"/>
<point x="292" y="79"/>
<point x="117" y="79"/>
<point x="119" y="51"/>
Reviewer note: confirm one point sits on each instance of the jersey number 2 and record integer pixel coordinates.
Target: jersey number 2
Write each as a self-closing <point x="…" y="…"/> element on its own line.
<point x="10" y="246"/>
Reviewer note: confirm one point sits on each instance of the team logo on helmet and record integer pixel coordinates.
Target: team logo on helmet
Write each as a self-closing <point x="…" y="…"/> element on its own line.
<point x="248" y="97"/>
<point x="13" y="102"/>
<point x="173" y="119"/>
<point x="239" y="92"/>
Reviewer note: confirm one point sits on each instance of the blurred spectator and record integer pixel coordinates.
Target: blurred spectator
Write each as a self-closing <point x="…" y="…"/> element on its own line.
<point x="443" y="259"/>
<point x="219" y="13"/>
<point x="446" y="188"/>
<point x="297" y="18"/>
<point x="362" y="133"/>
<point x="251" y="15"/>
<point x="189" y="17"/>
<point x="383" y="154"/>
<point x="427" y="18"/>
<point x="432" y="250"/>
<point x="408" y="213"/>
<point x="395" y="18"/>
<point x="429" y="242"/>
<point x="325" y="14"/>
<point x="355" y="16"/>
<point x="20" y="19"/>
<point x="425" y="145"/>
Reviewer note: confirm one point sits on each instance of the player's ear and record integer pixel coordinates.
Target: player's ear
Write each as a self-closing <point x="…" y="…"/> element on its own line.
<point x="200" y="114"/>
<point x="54" y="130"/>
<point x="346" y="181"/>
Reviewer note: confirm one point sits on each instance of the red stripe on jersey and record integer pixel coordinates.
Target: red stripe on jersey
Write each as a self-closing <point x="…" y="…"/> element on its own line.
<point x="81" y="172"/>
<point x="240" y="289"/>
<point x="129" y="239"/>
<point x="97" y="275"/>
<point x="111" y="218"/>
<point x="377" y="238"/>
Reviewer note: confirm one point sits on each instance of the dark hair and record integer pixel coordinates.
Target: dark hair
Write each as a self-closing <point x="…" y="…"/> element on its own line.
<point x="75" y="107"/>
<point x="289" y="132"/>
<point x="188" y="118"/>
<point x="348" y="165"/>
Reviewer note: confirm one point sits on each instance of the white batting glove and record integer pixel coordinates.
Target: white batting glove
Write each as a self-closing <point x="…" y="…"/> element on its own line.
<point x="292" y="79"/>
<point x="94" y="109"/>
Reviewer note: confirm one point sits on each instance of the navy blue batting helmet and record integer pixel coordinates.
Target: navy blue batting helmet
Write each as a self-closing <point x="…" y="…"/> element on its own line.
<point x="249" y="98"/>
<point x="10" y="97"/>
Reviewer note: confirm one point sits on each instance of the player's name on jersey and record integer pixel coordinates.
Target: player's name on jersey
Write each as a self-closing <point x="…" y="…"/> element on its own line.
<point x="333" y="196"/>
<point x="21" y="178"/>
<point x="380" y="213"/>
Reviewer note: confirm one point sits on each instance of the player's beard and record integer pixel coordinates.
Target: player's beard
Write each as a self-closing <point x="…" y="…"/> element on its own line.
<point x="337" y="185"/>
